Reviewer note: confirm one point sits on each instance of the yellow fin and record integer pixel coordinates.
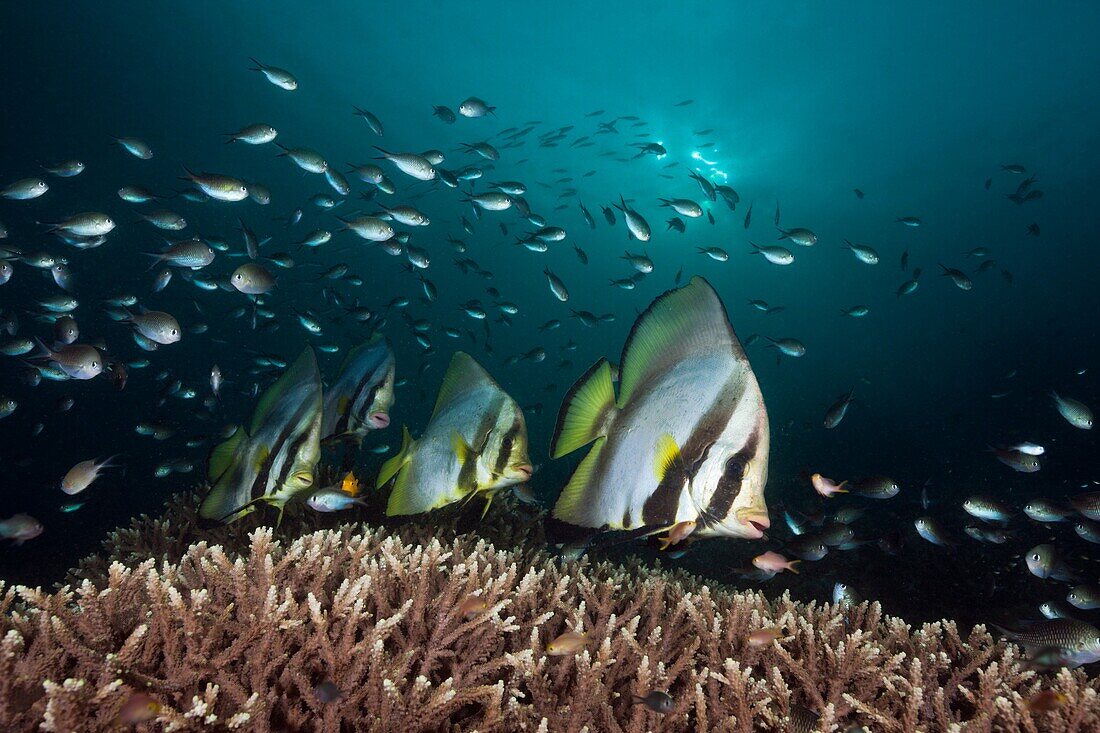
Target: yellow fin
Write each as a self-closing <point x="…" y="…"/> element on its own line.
<point x="261" y="455"/>
<point x="222" y="456"/>
<point x="668" y="457"/>
<point x="676" y="325"/>
<point x="394" y="464"/>
<point x="400" y="501"/>
<point x="584" y="412"/>
<point x="461" y="448"/>
<point x="575" y="504"/>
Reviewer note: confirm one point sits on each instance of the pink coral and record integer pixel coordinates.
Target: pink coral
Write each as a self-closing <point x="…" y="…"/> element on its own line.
<point x="227" y="641"/>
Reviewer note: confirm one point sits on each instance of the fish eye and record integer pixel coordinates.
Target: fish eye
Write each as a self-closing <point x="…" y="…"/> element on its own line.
<point x="1035" y="557"/>
<point x="174" y="332"/>
<point x="734" y="467"/>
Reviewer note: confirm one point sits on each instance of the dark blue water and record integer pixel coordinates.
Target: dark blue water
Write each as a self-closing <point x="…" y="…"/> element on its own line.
<point x="914" y="107"/>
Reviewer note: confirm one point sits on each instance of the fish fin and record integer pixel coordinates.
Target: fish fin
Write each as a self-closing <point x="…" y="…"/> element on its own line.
<point x="668" y="457"/>
<point x="396" y="462"/>
<point x="400" y="501"/>
<point x="791" y="566"/>
<point x="222" y="456"/>
<point x="679" y="323"/>
<point x="221" y="504"/>
<point x="461" y="448"/>
<point x="574" y="505"/>
<point x="303" y="368"/>
<point x="462" y="373"/>
<point x="584" y="411"/>
<point x="488" y="503"/>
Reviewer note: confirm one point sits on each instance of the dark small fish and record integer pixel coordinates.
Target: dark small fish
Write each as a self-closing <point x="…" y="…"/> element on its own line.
<point x="748" y="217"/>
<point x="858" y="193"/>
<point x="988" y="183"/>
<point x="657" y="701"/>
<point x="327" y="691"/>
<point x="905" y="260"/>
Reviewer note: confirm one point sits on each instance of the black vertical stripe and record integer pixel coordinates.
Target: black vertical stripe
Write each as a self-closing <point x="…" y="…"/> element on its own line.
<point x="660" y="507"/>
<point x="729" y="486"/>
<point x="260" y="482"/>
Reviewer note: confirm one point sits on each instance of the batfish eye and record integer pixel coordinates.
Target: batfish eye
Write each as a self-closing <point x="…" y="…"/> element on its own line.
<point x="734" y="468"/>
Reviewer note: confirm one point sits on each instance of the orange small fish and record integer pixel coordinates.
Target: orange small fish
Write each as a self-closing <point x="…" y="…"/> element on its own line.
<point x="775" y="562"/>
<point x="677" y="533"/>
<point x="472" y="606"/>
<point x="139" y="708"/>
<point x="568" y="643"/>
<point x="826" y="486"/>
<point x="350" y="484"/>
<point x="1045" y="701"/>
<point x="764" y="637"/>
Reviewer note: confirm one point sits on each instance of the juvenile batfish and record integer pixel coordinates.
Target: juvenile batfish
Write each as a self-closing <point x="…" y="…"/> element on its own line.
<point x="687" y="439"/>
<point x="276" y="459"/>
<point x="360" y="398"/>
<point x="475" y="443"/>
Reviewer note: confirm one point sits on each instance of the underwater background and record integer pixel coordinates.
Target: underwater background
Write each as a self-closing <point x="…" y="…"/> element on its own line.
<point x="915" y="107"/>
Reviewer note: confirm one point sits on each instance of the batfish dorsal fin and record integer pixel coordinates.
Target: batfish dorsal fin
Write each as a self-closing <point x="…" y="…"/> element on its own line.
<point x="462" y="374"/>
<point x="304" y="368"/>
<point x="677" y="324"/>
<point x="583" y="415"/>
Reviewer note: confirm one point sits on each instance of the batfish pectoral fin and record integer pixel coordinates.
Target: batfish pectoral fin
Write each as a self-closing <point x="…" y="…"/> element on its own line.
<point x="398" y="461"/>
<point x="576" y="505"/>
<point x="462" y="450"/>
<point x="668" y="458"/>
<point x="586" y="410"/>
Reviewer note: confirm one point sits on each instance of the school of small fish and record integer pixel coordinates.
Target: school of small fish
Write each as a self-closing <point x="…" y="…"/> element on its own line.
<point x="676" y="431"/>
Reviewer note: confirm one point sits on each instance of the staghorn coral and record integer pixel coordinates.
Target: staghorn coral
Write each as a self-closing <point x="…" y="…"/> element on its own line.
<point x="239" y="640"/>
